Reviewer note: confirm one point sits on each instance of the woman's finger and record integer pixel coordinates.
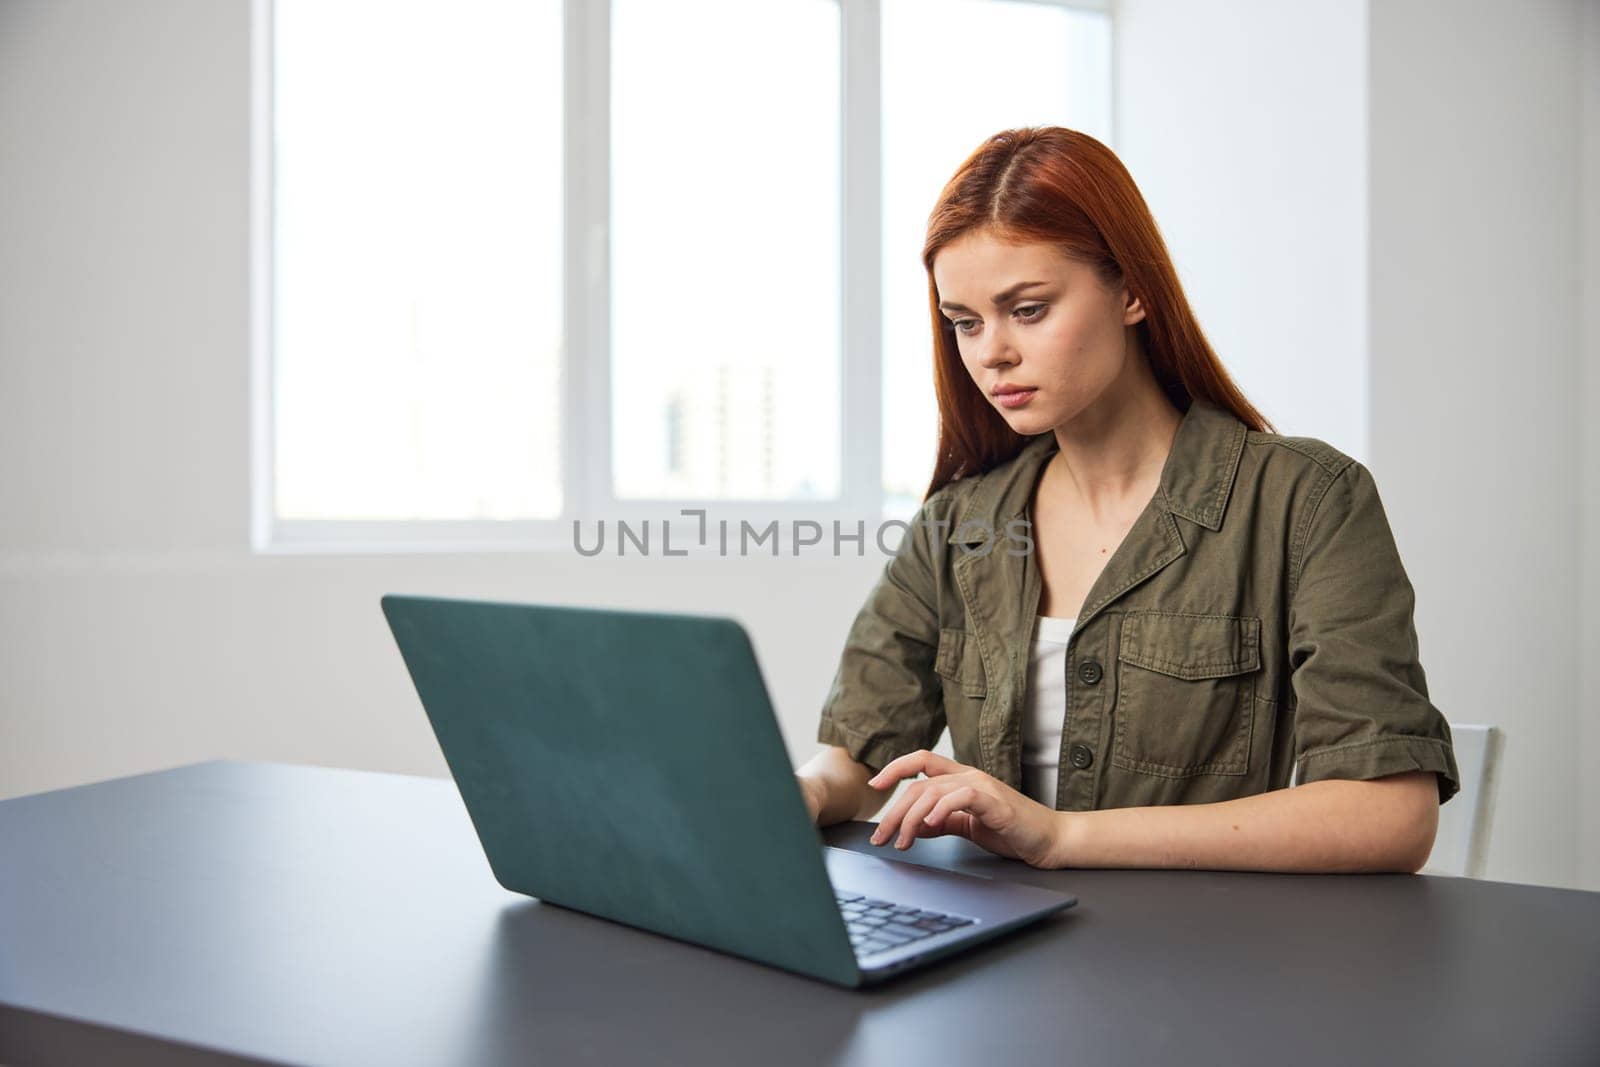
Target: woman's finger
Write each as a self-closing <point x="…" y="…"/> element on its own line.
<point x="957" y="799"/>
<point x="903" y="818"/>
<point x="889" y="820"/>
<point x="912" y="764"/>
<point x="911" y="822"/>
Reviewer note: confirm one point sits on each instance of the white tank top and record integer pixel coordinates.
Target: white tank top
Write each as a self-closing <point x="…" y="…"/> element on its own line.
<point x="1046" y="712"/>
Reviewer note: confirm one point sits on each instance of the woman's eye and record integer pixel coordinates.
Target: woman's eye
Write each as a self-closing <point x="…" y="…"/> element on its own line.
<point x="1029" y="313"/>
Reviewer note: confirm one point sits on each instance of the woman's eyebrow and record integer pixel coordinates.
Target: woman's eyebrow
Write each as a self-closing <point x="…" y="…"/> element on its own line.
<point x="999" y="298"/>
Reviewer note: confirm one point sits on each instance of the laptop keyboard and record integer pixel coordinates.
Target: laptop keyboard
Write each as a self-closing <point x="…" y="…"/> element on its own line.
<point x="876" y="925"/>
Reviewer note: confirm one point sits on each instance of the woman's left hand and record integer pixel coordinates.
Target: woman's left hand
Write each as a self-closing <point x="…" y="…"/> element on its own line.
<point x="962" y="800"/>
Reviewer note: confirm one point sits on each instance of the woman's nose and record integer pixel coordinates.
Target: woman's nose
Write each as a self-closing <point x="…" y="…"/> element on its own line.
<point x="995" y="350"/>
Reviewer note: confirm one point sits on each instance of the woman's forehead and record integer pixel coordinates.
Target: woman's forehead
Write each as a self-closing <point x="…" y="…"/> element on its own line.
<point x="980" y="256"/>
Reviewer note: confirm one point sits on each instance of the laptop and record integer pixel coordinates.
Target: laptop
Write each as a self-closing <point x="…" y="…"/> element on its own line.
<point x="628" y="764"/>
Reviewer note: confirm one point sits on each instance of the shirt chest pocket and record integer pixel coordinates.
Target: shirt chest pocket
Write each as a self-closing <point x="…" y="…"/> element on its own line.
<point x="1186" y="693"/>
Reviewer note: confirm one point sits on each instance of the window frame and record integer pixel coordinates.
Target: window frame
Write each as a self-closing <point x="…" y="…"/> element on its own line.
<point x="585" y="362"/>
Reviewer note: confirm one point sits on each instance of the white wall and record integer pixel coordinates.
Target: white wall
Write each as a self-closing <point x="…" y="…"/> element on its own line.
<point x="1476" y="367"/>
<point x="1244" y="123"/>
<point x="138" y="631"/>
<point x="1588" y="706"/>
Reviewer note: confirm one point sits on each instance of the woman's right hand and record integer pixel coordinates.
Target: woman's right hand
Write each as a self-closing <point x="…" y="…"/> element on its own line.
<point x="814" y="792"/>
<point x="835" y="786"/>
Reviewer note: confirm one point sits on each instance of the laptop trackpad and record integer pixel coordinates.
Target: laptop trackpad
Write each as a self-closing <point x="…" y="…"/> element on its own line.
<point x="935" y="890"/>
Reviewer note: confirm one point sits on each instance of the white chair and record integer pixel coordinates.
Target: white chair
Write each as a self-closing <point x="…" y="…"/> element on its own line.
<point x="1462" y="844"/>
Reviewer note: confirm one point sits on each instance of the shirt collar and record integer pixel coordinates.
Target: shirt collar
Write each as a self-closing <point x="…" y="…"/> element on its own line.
<point x="1196" y="479"/>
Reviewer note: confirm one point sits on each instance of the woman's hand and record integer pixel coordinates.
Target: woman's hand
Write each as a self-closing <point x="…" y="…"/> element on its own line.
<point x="812" y="790"/>
<point x="962" y="800"/>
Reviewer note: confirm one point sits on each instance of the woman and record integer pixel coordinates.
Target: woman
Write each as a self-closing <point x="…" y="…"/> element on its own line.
<point x="1136" y="608"/>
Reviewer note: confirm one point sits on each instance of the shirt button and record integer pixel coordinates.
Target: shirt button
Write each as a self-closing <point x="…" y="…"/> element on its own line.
<point x="1089" y="672"/>
<point x="1082" y="756"/>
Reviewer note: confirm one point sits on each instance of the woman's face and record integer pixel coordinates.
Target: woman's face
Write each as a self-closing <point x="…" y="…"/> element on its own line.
<point x="1025" y="315"/>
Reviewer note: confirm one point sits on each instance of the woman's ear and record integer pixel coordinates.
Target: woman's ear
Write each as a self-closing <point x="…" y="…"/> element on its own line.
<point x="1133" y="311"/>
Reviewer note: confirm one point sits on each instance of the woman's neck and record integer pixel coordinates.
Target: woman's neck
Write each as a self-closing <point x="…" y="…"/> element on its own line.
<point x="1112" y="453"/>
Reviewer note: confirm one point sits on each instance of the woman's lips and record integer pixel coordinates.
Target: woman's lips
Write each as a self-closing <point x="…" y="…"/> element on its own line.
<point x="1015" y="400"/>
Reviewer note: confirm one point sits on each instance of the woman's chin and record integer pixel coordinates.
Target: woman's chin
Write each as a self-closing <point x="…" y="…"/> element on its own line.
<point x="1027" y="422"/>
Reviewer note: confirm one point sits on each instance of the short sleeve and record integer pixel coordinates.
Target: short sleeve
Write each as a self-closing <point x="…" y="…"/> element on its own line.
<point x="885" y="699"/>
<point x="1362" y="707"/>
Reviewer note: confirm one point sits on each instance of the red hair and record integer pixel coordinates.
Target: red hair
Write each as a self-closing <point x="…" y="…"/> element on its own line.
<point x="1053" y="185"/>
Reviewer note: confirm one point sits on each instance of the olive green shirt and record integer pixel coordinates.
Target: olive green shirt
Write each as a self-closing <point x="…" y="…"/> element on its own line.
<point x="1255" y="619"/>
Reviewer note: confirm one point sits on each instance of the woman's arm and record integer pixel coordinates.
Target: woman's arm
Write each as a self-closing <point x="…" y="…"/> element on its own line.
<point x="835" y="787"/>
<point x="1330" y="827"/>
<point x="1326" y="827"/>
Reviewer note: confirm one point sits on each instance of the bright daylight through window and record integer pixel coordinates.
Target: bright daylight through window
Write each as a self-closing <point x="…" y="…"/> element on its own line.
<point x="419" y="357"/>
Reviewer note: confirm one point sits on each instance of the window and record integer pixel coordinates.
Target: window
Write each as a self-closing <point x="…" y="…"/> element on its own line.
<point x="417" y="265"/>
<point x="725" y="249"/>
<point x="521" y="263"/>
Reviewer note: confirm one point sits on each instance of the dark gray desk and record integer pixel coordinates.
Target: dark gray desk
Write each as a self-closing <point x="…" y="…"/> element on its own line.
<point x="234" y="912"/>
